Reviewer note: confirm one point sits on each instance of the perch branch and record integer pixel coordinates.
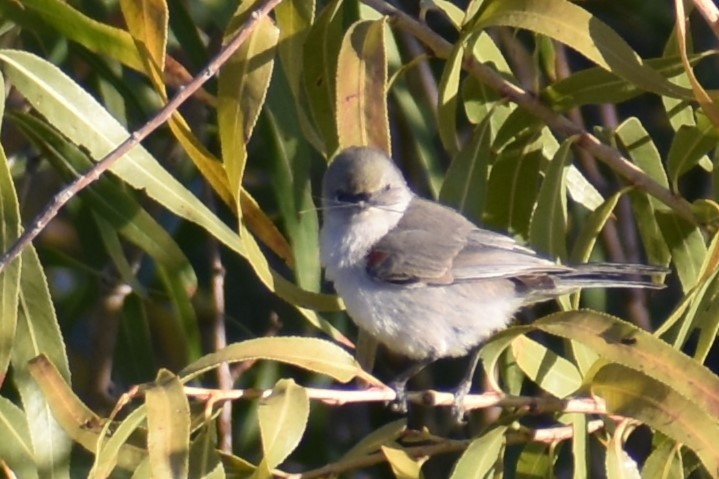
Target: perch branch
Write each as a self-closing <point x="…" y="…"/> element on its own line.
<point x="67" y="193"/>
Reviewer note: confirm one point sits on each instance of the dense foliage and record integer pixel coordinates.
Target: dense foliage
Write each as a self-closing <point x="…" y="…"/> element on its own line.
<point x="171" y="320"/>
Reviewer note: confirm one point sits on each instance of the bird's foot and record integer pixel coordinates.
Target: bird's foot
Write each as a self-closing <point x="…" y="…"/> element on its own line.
<point x="460" y="393"/>
<point x="399" y="404"/>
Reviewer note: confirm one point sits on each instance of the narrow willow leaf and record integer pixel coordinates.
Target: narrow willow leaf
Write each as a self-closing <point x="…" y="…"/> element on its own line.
<point x="630" y="393"/>
<point x="16" y="450"/>
<point x="320" y="69"/>
<point x="361" y="108"/>
<point x="312" y="354"/>
<point x="452" y="12"/>
<point x="38" y="332"/>
<point x="403" y="465"/>
<point x="283" y="419"/>
<point x="512" y="189"/>
<point x="482" y="456"/>
<point x="371" y="443"/>
<point x="689" y="146"/>
<point x="91" y="34"/>
<point x="686" y="244"/>
<point x="628" y="345"/>
<point x="635" y="139"/>
<point x="448" y="96"/>
<point x="581" y="190"/>
<point x="548" y="226"/>
<point x="294" y="20"/>
<point x="76" y="419"/>
<point x="10" y="278"/>
<point x="204" y="458"/>
<point x="494" y="348"/>
<point x="465" y="185"/>
<point x="664" y="462"/>
<point x="593" y="86"/>
<point x="579" y="445"/>
<point x="591" y="227"/>
<point x="168" y="427"/>
<point x="534" y="461"/>
<point x="242" y="88"/>
<point x="583" y="32"/>
<point x="551" y="372"/>
<point x="148" y="23"/>
<point x="109" y="449"/>
<point x="290" y="160"/>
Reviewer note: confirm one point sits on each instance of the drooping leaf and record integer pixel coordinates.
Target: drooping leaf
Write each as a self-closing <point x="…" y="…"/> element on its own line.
<point x="168" y="427"/>
<point x="361" y="89"/>
<point x="630" y="393"/>
<point x="16" y="450"/>
<point x="482" y="456"/>
<point x="283" y="419"/>
<point x="550" y="371"/>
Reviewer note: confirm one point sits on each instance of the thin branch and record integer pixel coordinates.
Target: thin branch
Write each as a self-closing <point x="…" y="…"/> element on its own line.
<point x="340" y="397"/>
<point x="67" y="193"/>
<point x="610" y="156"/>
<point x="546" y="435"/>
<point x="710" y="12"/>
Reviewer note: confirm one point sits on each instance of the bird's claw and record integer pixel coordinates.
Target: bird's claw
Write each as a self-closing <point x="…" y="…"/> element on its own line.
<point x="458" y="410"/>
<point x="399" y="403"/>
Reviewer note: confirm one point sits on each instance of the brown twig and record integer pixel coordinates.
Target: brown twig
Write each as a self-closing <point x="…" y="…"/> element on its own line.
<point x="339" y="397"/>
<point x="610" y="156"/>
<point x="547" y="435"/>
<point x="710" y="12"/>
<point x="69" y="192"/>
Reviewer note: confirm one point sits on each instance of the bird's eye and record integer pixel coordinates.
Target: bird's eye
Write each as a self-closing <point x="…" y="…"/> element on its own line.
<point x="345" y="197"/>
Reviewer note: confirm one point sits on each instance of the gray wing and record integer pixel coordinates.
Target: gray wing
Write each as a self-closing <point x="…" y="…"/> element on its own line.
<point x="425" y="249"/>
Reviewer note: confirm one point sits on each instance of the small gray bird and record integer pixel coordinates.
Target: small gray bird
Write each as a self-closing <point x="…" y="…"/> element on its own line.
<point x="422" y="279"/>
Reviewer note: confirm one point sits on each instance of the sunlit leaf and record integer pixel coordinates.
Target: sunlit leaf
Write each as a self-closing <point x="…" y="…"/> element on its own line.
<point x="403" y="465"/>
<point x="168" y="426"/>
<point x="551" y="372"/>
<point x="283" y="419"/>
<point x="361" y="89"/>
<point x="482" y="456"/>
<point x="631" y="393"/>
<point x="16" y="450"/>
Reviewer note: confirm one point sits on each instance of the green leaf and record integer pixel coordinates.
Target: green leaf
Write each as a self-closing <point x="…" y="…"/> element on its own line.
<point x="76" y="419"/>
<point x="204" y="458"/>
<point x="361" y="108"/>
<point x="10" y="277"/>
<point x="585" y="33"/>
<point x="619" y="464"/>
<point x="111" y="448"/>
<point x="283" y="419"/>
<point x="16" y="450"/>
<point x="147" y="22"/>
<point x="320" y="69"/>
<point x="242" y="88"/>
<point x="403" y="465"/>
<point x="290" y="160"/>
<point x="635" y="139"/>
<point x="168" y="426"/>
<point x="37" y="333"/>
<point x="630" y="346"/>
<point x="448" y="95"/>
<point x="95" y="36"/>
<point x="465" y="184"/>
<point x="594" y="86"/>
<point x="689" y="146"/>
<point x="551" y="372"/>
<point x="630" y="393"/>
<point x="580" y="451"/>
<point x="534" y="462"/>
<point x="482" y="456"/>
<point x="513" y="186"/>
<point x="386" y="434"/>
<point x="664" y="462"/>
<point x="591" y="227"/>
<point x="548" y="226"/>
<point x="686" y="244"/>
<point x="312" y="354"/>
